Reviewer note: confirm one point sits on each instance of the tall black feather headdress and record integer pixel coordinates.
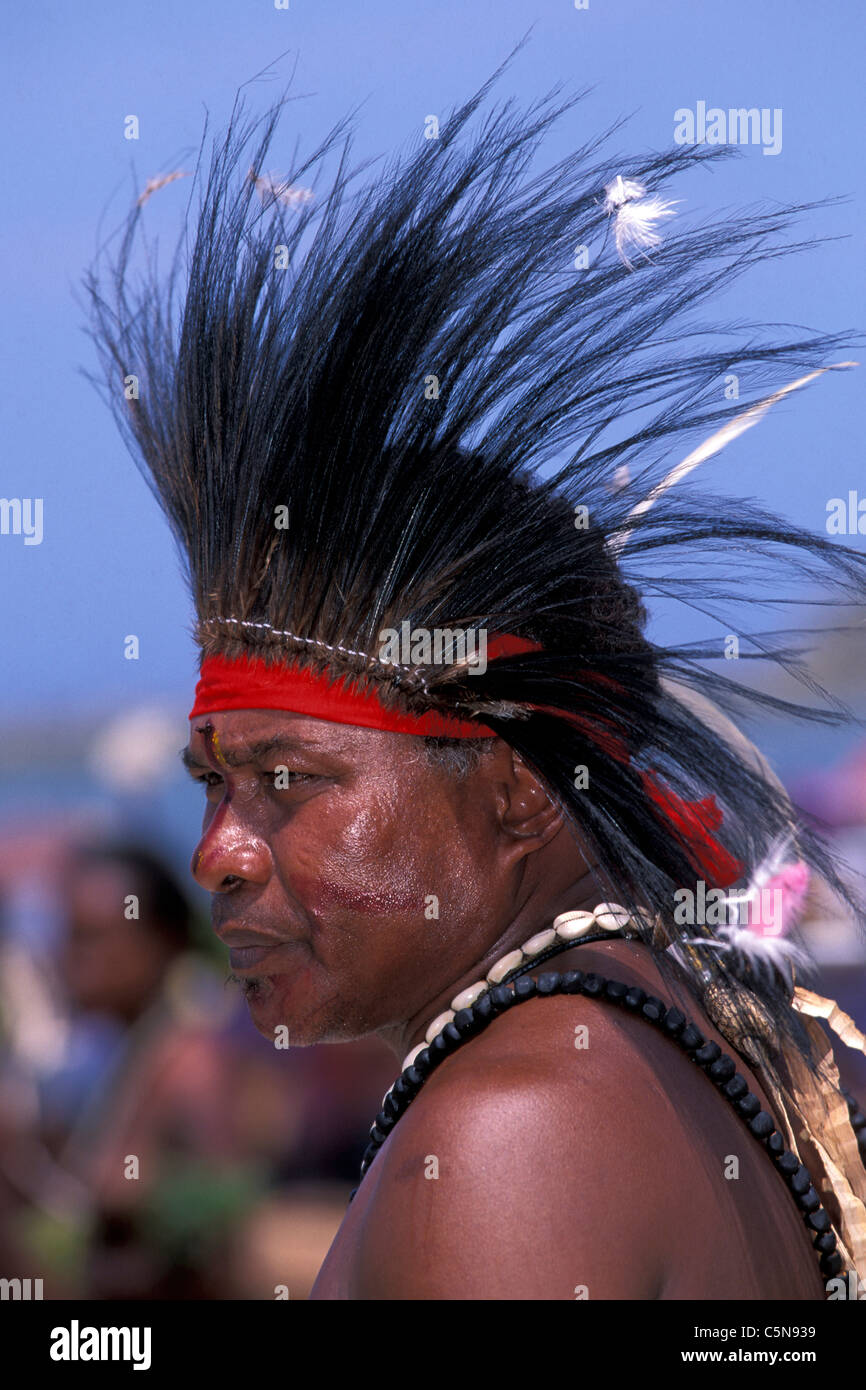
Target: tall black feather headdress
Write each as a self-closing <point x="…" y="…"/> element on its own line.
<point x="447" y="407"/>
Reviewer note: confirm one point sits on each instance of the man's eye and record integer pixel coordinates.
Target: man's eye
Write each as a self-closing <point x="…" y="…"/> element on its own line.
<point x="282" y="778"/>
<point x="210" y="779"/>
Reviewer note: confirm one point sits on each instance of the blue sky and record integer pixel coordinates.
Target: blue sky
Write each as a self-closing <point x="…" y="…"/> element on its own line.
<point x="106" y="566"/>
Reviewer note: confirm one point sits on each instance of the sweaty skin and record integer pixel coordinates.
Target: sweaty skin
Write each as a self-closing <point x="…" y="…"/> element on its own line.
<point x="360" y="896"/>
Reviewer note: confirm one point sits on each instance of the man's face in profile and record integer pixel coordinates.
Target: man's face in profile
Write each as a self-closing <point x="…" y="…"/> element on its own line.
<point x="351" y="877"/>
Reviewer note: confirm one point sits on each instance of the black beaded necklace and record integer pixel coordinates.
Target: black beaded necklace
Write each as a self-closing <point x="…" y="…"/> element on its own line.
<point x="672" y="1022"/>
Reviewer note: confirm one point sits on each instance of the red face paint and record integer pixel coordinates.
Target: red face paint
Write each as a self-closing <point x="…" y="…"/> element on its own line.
<point x="325" y="892"/>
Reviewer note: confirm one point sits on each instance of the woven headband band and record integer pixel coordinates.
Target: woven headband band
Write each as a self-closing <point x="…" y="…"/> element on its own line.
<point x="248" y="682"/>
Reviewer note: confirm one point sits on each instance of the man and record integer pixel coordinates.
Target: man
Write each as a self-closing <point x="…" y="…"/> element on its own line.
<point x="454" y="797"/>
<point x="554" y="1168"/>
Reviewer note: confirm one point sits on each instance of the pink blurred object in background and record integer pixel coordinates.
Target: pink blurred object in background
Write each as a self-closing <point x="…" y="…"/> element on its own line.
<point x="792" y="882"/>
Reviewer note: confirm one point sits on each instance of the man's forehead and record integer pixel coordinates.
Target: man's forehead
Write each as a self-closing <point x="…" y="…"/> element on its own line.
<point x="239" y="736"/>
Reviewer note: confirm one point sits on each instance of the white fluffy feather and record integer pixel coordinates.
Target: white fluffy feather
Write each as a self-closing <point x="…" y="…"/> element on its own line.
<point x="763" y="953"/>
<point x="269" y="185"/>
<point x="766" y="955"/>
<point x="777" y="856"/>
<point x="635" y="217"/>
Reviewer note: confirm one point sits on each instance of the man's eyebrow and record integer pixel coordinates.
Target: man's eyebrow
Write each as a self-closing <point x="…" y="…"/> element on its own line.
<point x="243" y="753"/>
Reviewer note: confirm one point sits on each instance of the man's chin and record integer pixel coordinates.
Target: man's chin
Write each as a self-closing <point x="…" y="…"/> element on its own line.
<point x="271" y="1015"/>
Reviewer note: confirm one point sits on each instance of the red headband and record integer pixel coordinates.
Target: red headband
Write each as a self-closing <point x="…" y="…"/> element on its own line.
<point x="249" y="683"/>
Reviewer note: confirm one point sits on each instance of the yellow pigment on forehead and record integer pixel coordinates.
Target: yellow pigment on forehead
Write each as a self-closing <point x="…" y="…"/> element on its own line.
<point x="215" y="745"/>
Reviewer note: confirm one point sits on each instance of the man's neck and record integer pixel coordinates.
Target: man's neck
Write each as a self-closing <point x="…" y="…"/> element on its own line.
<point x="536" y="915"/>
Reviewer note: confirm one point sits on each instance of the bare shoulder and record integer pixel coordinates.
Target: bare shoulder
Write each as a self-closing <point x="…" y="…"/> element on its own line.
<point x="536" y="1162"/>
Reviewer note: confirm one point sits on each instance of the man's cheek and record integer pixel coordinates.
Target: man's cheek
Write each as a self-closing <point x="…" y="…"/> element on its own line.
<point x="367" y="896"/>
<point x="370" y="875"/>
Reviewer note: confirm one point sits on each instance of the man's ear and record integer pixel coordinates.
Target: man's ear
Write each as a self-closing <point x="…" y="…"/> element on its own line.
<point x="527" y="815"/>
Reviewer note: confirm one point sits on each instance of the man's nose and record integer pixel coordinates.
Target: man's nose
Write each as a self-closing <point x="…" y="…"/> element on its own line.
<point x="229" y="853"/>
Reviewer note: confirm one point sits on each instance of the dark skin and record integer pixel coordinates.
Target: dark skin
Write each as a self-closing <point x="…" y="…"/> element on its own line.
<point x="111" y="965"/>
<point x="559" y="1170"/>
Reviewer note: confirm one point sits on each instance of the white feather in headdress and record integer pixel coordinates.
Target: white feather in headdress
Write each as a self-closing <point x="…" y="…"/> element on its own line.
<point x="635" y="216"/>
<point x="716" y="442"/>
<point x="269" y="186"/>
<point x="749" y="938"/>
<point x="764" y="955"/>
<point x="159" y="181"/>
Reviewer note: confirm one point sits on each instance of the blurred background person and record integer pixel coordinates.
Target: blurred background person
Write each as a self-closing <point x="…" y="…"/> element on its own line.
<point x="160" y="1145"/>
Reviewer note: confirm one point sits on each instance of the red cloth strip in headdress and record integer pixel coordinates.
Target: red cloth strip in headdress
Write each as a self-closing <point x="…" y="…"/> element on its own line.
<point x="692" y="820"/>
<point x="250" y="683"/>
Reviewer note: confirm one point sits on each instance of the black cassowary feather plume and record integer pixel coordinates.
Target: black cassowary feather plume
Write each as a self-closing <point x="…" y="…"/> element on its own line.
<point x="447" y="407"/>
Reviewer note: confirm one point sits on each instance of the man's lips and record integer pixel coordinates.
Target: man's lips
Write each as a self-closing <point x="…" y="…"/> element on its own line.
<point x="248" y="949"/>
